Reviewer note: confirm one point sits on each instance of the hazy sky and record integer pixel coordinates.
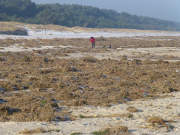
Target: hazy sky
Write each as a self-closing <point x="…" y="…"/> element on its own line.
<point x="163" y="9"/>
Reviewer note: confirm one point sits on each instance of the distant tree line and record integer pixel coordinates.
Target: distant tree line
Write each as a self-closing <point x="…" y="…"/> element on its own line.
<point x="76" y="15"/>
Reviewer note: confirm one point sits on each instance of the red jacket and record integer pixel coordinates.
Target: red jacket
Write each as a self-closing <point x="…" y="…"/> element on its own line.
<point x="92" y="40"/>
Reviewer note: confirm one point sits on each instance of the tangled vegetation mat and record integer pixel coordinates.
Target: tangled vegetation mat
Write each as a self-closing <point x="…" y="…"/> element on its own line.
<point x="40" y="88"/>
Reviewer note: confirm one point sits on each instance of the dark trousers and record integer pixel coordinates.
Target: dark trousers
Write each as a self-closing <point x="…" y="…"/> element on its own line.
<point x="93" y="45"/>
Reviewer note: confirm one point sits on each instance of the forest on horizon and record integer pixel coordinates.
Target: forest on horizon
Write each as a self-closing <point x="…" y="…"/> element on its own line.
<point x="76" y="15"/>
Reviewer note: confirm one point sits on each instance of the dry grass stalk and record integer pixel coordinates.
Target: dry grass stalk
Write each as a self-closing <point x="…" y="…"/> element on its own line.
<point x="125" y="115"/>
<point x="37" y="131"/>
<point x="158" y="122"/>
<point x="90" y="59"/>
<point x="118" y="130"/>
<point x="132" y="109"/>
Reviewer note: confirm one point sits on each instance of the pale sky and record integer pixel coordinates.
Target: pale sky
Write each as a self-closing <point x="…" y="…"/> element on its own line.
<point x="163" y="9"/>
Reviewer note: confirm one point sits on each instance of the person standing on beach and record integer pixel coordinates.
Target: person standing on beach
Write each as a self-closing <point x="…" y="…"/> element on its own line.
<point x="92" y="40"/>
